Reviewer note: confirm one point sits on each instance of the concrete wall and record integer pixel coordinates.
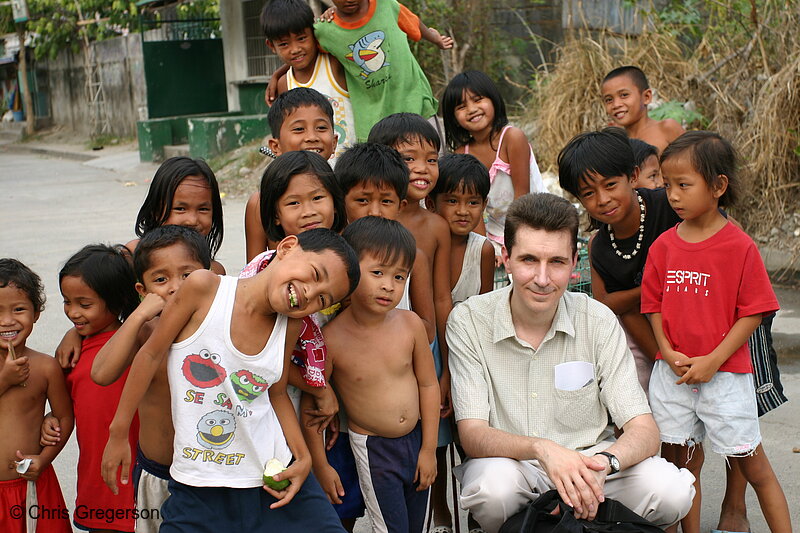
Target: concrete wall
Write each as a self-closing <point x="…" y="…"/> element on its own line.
<point x="234" y="50"/>
<point x="122" y="72"/>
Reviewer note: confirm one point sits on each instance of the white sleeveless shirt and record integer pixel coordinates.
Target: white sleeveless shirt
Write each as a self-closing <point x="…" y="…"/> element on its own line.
<point x="225" y="427"/>
<point x="469" y="282"/>
<point x="323" y="81"/>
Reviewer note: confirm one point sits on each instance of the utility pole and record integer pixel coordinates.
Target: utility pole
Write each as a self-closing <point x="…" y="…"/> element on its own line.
<point x="98" y="110"/>
<point x="20" y="10"/>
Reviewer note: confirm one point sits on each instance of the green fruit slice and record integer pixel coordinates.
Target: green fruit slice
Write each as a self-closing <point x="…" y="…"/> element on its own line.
<point x="274" y="466"/>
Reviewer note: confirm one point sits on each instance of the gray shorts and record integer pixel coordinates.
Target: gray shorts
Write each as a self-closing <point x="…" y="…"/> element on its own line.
<point x="724" y="410"/>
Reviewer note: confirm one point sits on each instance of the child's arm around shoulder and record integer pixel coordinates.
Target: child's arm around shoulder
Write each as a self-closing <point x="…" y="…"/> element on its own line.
<point x="117" y="354"/>
<point x="61" y="409"/>
<point x="428" y="386"/>
<point x="420" y="292"/>
<point x="183" y="312"/>
<point x="338" y="71"/>
<point x="518" y="154"/>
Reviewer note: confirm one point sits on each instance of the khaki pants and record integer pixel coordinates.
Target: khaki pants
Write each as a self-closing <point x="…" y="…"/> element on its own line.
<point x="495" y="488"/>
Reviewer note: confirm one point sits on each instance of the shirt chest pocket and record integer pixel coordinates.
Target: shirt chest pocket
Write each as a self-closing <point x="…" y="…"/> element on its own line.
<point x="579" y="409"/>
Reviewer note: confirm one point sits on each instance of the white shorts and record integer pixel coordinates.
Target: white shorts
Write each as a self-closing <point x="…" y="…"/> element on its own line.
<point x="724" y="410"/>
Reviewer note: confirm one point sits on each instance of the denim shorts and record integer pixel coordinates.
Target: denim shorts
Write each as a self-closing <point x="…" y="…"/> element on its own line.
<point x="723" y="410"/>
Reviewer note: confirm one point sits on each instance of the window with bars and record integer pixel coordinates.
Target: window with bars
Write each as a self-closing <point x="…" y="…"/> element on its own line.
<point x="260" y="59"/>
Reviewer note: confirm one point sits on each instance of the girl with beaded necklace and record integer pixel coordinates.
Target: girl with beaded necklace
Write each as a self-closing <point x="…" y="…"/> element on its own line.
<point x="598" y="169"/>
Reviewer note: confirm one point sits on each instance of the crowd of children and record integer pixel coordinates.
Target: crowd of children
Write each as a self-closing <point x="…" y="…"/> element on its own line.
<point x="328" y="353"/>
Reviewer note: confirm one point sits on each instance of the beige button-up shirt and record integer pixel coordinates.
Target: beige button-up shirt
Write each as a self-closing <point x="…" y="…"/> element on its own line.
<point x="502" y="379"/>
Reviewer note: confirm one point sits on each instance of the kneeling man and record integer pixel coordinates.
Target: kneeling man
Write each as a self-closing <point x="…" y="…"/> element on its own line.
<point x="536" y="371"/>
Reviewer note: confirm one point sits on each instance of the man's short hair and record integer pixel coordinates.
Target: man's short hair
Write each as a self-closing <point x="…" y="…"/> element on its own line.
<point x="635" y="73"/>
<point x="164" y="236"/>
<point x="372" y="163"/>
<point x="386" y="239"/>
<point x="318" y="240"/>
<point x="288" y="102"/>
<point x="543" y="211"/>
<point x="13" y="272"/>
<point x="462" y="171"/>
<point x="279" y="18"/>
<point x="404" y="128"/>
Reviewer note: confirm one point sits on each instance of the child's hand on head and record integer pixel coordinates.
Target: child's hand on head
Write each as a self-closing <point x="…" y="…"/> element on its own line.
<point x="426" y="470"/>
<point x="296" y="473"/>
<point x="50" y="431"/>
<point x="68" y="352"/>
<point x="14" y="371"/>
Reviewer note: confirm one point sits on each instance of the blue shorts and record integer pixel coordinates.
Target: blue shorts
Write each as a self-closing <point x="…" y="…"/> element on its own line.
<point x="386" y="470"/>
<point x="724" y="410"/>
<point x="220" y="509"/>
<point x="445" y="427"/>
<point x="341" y="459"/>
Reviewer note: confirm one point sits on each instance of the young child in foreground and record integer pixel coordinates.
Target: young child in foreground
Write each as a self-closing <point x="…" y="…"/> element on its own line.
<point x="97" y="284"/>
<point x="626" y="94"/>
<point x="708" y="265"/>
<point x="164" y="258"/>
<point x="289" y="28"/>
<point x="28" y="379"/>
<point x="228" y="344"/>
<point x="381" y="363"/>
<point x="370" y="40"/>
<point x="300" y="119"/>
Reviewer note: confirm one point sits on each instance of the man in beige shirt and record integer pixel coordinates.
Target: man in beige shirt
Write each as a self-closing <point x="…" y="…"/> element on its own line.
<point x="536" y="372"/>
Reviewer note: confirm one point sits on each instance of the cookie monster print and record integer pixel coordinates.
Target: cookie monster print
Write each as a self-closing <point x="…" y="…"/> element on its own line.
<point x="203" y="369"/>
<point x="215" y="430"/>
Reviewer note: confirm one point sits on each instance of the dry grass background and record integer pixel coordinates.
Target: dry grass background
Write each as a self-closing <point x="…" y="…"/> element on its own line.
<point x="745" y="82"/>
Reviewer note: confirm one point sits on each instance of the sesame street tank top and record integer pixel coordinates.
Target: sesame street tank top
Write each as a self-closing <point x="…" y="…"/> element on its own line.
<point x="225" y="427"/>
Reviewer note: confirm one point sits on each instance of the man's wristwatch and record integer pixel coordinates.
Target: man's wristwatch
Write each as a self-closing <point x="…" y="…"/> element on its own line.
<point x="613" y="462"/>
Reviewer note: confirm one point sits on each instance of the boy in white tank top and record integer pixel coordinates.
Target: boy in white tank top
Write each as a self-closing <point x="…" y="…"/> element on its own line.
<point x="229" y="342"/>
<point x="288" y="26"/>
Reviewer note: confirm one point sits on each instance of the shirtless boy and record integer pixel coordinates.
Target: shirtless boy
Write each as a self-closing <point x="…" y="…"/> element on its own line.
<point x="28" y="379"/>
<point x="626" y="95"/>
<point x="382" y="367"/>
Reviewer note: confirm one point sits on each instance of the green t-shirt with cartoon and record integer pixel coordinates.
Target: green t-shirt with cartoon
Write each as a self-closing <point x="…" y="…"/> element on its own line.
<point x="383" y="76"/>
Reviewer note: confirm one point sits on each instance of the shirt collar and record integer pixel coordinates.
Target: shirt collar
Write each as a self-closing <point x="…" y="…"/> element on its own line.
<point x="504" y="324"/>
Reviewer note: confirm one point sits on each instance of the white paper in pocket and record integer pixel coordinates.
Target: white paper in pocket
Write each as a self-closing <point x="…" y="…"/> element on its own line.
<point x="573" y="375"/>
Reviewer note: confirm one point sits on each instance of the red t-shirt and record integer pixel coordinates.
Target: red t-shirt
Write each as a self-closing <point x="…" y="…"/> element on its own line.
<point x="94" y="408"/>
<point x="701" y="289"/>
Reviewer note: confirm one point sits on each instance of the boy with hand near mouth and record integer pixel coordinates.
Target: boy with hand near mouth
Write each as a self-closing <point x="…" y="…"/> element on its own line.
<point x="626" y="95"/>
<point x="27" y="380"/>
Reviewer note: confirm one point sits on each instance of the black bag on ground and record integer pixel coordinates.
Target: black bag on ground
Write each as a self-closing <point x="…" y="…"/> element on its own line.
<point x="612" y="517"/>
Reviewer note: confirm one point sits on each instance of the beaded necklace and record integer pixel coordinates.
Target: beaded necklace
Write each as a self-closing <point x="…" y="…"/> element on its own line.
<point x="639" y="238"/>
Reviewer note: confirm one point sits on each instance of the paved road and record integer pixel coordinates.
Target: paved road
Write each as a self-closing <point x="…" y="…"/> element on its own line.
<point x="54" y="206"/>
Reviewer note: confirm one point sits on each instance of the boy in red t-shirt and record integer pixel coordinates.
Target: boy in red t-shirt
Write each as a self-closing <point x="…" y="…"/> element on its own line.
<point x="705" y="289"/>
